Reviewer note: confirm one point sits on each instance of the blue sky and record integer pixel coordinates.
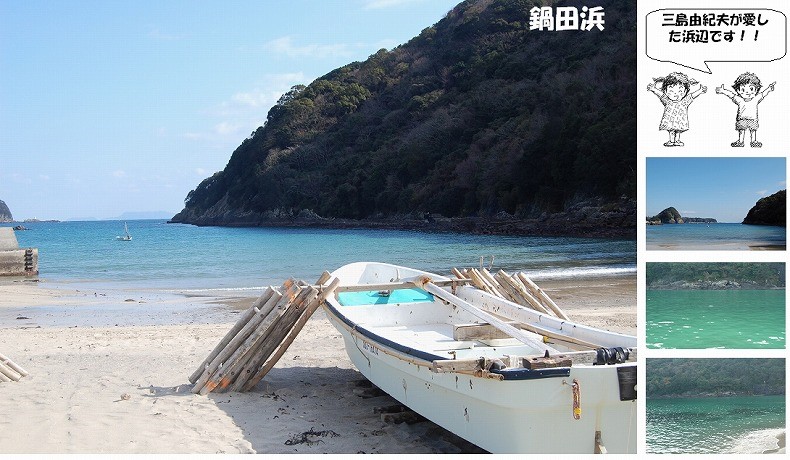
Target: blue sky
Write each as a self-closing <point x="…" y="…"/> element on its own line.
<point x="109" y="107"/>
<point x="722" y="188"/>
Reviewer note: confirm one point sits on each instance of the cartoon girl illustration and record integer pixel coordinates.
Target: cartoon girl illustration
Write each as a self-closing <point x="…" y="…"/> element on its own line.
<point x="675" y="95"/>
<point x="747" y="87"/>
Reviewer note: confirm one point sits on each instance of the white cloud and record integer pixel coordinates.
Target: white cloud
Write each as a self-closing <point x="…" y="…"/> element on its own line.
<point x="286" y="46"/>
<point x="155" y="33"/>
<point x="43" y="177"/>
<point x="119" y="173"/>
<point x="380" y="4"/>
<point x="761" y="192"/>
<point x="224" y="128"/>
<point x="244" y="111"/>
<point x="258" y="101"/>
<point x="200" y="172"/>
<point x="20" y="178"/>
<point x="686" y="213"/>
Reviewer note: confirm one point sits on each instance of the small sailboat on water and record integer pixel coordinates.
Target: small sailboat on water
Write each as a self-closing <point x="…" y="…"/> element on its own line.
<point x="126" y="236"/>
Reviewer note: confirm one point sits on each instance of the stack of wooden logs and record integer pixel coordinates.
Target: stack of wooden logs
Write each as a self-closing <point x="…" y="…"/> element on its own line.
<point x="517" y="288"/>
<point x="260" y="337"/>
<point x="10" y="371"/>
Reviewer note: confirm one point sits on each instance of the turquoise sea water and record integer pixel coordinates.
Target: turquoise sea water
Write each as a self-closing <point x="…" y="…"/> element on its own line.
<point x="733" y="319"/>
<point x="715" y="237"/>
<point x="741" y="424"/>
<point x="185" y="257"/>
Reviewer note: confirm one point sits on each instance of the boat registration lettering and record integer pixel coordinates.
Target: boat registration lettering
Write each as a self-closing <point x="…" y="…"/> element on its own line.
<point x="370" y="348"/>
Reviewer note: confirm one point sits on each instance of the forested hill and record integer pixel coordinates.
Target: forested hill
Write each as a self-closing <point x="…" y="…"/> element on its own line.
<point x="478" y="116"/>
<point x="685" y="377"/>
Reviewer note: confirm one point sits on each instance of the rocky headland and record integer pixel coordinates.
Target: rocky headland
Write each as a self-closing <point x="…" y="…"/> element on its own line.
<point x="770" y="210"/>
<point x="5" y="213"/>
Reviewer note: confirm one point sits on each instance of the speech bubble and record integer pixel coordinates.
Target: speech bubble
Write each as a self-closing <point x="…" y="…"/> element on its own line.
<point x="693" y="37"/>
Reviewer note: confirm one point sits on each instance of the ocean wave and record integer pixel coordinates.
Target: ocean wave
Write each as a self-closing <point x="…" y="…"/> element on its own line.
<point x="219" y="289"/>
<point x="757" y="442"/>
<point x="581" y="272"/>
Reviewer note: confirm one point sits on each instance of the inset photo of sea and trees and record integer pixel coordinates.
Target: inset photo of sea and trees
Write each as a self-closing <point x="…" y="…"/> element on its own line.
<point x="735" y="305"/>
<point x="715" y="406"/>
<point x="729" y="305"/>
<point x="716" y="204"/>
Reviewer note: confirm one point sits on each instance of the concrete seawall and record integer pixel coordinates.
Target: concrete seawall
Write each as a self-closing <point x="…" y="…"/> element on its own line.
<point x="13" y="260"/>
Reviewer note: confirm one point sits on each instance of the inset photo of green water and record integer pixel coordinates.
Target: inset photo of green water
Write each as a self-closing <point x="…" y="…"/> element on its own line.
<point x="715" y="305"/>
<point x="709" y="406"/>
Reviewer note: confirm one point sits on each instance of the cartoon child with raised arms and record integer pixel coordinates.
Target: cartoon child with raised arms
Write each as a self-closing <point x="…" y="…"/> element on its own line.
<point x="674" y="92"/>
<point x="747" y="96"/>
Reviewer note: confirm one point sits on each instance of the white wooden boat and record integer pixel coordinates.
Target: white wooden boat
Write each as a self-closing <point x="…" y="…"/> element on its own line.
<point x="435" y="349"/>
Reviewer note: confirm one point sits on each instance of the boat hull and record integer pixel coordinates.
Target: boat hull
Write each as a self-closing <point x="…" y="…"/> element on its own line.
<point x="534" y="415"/>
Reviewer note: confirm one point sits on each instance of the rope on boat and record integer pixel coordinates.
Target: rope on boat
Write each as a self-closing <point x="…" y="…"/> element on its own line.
<point x="577" y="400"/>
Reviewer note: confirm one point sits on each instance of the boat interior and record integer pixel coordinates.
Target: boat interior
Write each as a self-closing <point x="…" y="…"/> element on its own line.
<point x="375" y="300"/>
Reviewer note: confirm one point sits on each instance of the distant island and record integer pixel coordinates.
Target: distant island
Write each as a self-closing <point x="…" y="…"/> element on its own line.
<point x="5" y="213"/>
<point x="672" y="216"/>
<point x="33" y="221"/>
<point x="770" y="210"/>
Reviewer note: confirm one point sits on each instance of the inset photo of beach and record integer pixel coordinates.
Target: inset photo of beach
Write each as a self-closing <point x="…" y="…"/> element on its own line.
<point x="716" y="204"/>
<point x="715" y="406"/>
<point x="715" y="305"/>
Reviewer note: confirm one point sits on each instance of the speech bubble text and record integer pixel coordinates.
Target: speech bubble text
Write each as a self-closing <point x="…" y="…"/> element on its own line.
<point x="693" y="37"/>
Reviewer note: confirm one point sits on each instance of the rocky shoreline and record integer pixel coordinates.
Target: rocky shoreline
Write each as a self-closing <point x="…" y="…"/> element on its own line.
<point x="712" y="394"/>
<point x="583" y="220"/>
<point x="719" y="285"/>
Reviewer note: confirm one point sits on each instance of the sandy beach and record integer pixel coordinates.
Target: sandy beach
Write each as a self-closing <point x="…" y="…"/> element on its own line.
<point x="109" y="374"/>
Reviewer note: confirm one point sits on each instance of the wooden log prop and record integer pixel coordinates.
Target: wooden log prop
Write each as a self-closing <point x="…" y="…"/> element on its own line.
<point x="542" y="295"/>
<point x="289" y="338"/>
<point x="517" y="288"/>
<point x="242" y="321"/>
<point x="10" y="373"/>
<point x="243" y="334"/>
<point x="228" y="374"/>
<point x="13" y="366"/>
<point x="231" y="364"/>
<point x="261" y="336"/>
<point x="525" y="298"/>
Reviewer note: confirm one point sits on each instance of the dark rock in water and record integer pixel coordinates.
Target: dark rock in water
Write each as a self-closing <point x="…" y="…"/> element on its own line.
<point x="5" y="213"/>
<point x="769" y="210"/>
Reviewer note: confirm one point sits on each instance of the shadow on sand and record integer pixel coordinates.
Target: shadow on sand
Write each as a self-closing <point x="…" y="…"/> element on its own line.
<point x="322" y="410"/>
